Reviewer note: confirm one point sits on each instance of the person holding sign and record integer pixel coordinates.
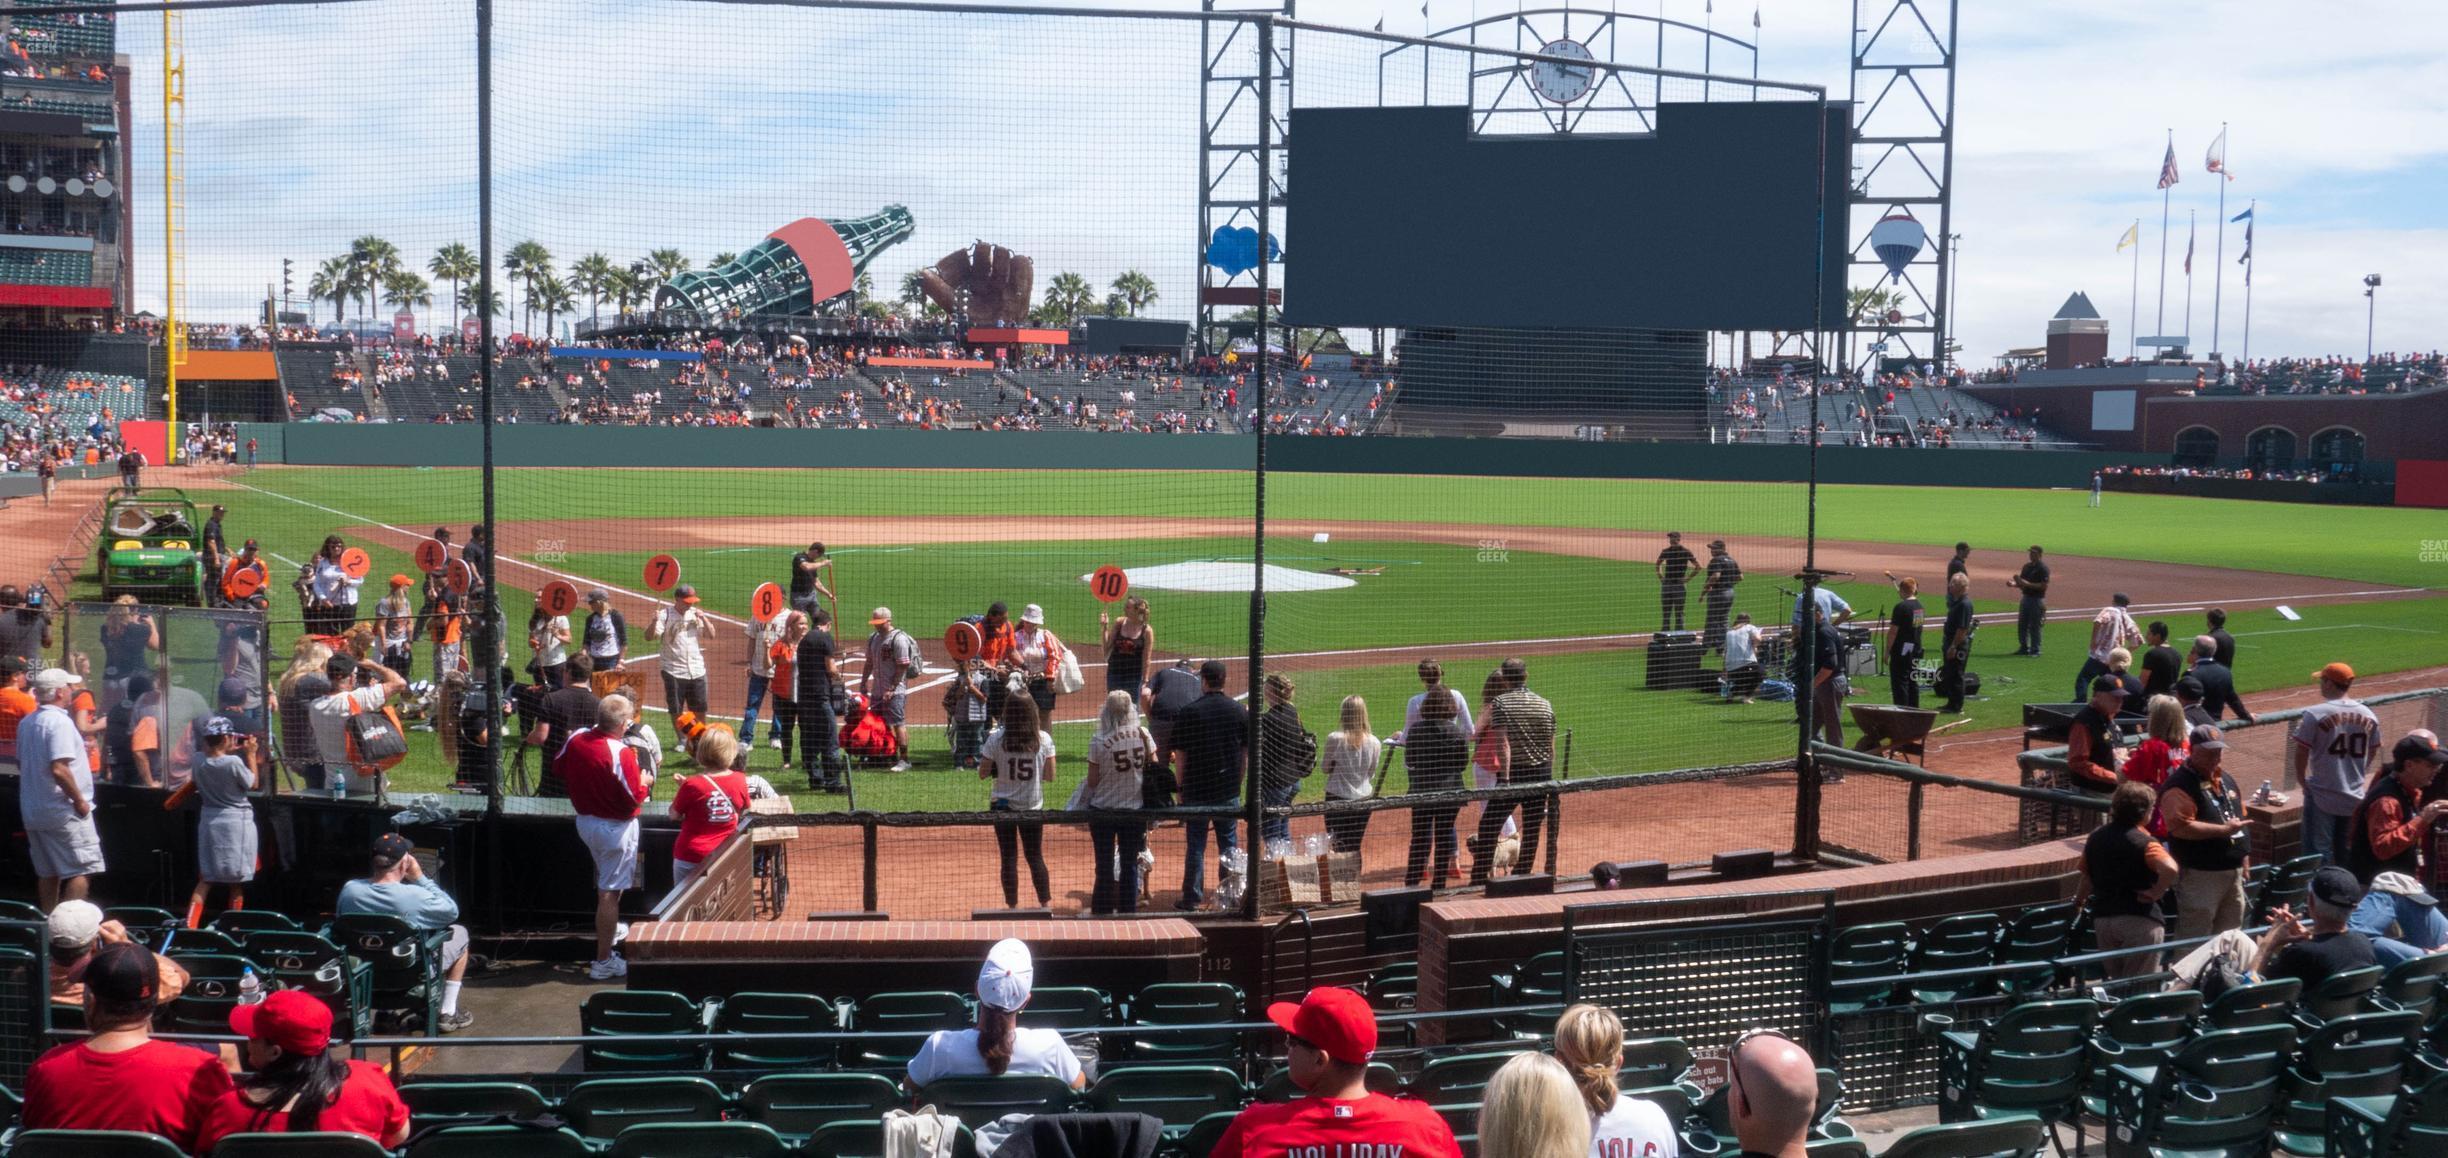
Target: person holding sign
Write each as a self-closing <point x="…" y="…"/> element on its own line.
<point x="327" y="592"/>
<point x="683" y="630"/>
<point x="767" y="624"/>
<point x="244" y="576"/>
<point x="1128" y="643"/>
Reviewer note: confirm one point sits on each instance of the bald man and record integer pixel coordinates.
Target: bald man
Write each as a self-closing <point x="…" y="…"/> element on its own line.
<point x="1775" y="1091"/>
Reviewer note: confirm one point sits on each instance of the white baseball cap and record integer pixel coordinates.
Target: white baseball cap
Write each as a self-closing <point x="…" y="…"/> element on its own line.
<point x="1009" y="973"/>
<point x="1033" y="614"/>
<point x="50" y="680"/>
<point x="74" y="924"/>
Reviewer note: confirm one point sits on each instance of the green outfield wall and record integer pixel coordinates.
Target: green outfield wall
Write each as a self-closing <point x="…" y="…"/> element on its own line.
<point x="414" y="445"/>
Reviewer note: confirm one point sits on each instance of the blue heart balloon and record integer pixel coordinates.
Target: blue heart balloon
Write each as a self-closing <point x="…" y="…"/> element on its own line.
<point x="1234" y="249"/>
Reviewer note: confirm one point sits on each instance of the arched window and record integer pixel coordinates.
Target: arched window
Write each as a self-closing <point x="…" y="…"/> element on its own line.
<point x="2197" y="447"/>
<point x="2270" y="448"/>
<point x="2336" y="447"/>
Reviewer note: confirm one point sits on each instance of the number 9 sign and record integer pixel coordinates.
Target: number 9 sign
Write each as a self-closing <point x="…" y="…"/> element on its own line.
<point x="766" y="603"/>
<point x="662" y="573"/>
<point x="1109" y="584"/>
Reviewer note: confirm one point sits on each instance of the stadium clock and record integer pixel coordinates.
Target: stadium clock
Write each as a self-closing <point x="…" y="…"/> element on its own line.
<point x="1558" y="82"/>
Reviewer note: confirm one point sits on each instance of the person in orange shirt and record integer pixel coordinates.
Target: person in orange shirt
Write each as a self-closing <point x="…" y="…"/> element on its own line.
<point x="16" y="703"/>
<point x="248" y="560"/>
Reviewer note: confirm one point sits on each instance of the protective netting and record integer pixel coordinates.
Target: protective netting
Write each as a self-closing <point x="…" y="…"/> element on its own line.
<point x="936" y="290"/>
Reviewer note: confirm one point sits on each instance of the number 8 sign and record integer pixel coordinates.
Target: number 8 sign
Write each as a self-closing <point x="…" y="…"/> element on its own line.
<point x="1109" y="584"/>
<point x="662" y="573"/>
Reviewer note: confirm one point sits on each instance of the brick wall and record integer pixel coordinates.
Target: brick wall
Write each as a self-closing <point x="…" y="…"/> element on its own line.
<point x="836" y="958"/>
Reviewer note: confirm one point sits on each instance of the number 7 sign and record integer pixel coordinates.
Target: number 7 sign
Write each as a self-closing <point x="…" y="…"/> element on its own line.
<point x="662" y="573"/>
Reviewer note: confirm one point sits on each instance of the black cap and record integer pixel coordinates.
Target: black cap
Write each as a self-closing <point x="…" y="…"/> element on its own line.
<point x="2335" y="886"/>
<point x="2122" y="599"/>
<point x="393" y="847"/>
<point x="2417" y="748"/>
<point x="234" y="691"/>
<point x="2189" y="688"/>
<point x="2107" y="685"/>
<point x="340" y="667"/>
<point x="121" y="973"/>
<point x="1212" y="672"/>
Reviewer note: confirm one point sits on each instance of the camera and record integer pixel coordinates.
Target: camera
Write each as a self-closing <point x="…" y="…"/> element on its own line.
<point x="36" y="596"/>
<point x="2371" y="280"/>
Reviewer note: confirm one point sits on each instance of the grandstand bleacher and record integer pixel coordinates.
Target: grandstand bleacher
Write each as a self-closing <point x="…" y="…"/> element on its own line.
<point x="45" y="266"/>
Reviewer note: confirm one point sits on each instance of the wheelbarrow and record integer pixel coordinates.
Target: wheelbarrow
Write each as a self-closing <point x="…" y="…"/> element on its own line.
<point x="1896" y="732"/>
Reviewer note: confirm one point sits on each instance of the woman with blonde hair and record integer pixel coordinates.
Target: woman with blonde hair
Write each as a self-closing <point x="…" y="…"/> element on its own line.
<point x="2165" y="738"/>
<point x="1350" y="759"/>
<point x="299" y="687"/>
<point x="129" y="636"/>
<point x="712" y="800"/>
<point x="1117" y="766"/>
<point x="1531" y="1109"/>
<point x="1589" y="1042"/>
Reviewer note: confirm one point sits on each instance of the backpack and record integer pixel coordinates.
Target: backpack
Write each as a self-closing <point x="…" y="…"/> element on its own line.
<point x="375" y="740"/>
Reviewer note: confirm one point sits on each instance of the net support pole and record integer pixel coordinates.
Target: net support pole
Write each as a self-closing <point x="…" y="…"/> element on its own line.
<point x="1255" y="799"/>
<point x="1806" y="645"/>
<point x="487" y="673"/>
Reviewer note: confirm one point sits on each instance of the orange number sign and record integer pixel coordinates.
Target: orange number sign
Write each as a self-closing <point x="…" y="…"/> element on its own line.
<point x="766" y="603"/>
<point x="432" y="555"/>
<point x="245" y="581"/>
<point x="354" y="562"/>
<point x="1109" y="584"/>
<point x="557" y="597"/>
<point x="461" y="577"/>
<point x="662" y="573"/>
<point x="961" y="639"/>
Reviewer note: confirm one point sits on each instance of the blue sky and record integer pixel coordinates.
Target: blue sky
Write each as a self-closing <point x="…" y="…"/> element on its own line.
<point x="627" y="126"/>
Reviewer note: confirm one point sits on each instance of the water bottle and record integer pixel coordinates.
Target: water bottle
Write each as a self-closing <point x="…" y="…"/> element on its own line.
<point x="337" y="782"/>
<point x="2263" y="794"/>
<point x="250" y="990"/>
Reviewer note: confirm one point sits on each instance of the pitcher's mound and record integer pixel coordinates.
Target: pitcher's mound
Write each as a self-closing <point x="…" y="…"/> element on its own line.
<point x="1223" y="576"/>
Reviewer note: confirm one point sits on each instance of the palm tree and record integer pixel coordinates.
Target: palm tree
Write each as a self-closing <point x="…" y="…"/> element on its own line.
<point x="1868" y="305"/>
<point x="1069" y="296"/>
<point x="331" y="283"/>
<point x="1136" y="289"/>
<point x="454" y="263"/>
<point x="403" y="288"/>
<point x="724" y="258"/>
<point x="370" y="260"/>
<point x="592" y="276"/>
<point x="525" y="262"/>
<point x="666" y="264"/>
<point x="1115" y="305"/>
<point x="471" y="297"/>
<point x="551" y="295"/>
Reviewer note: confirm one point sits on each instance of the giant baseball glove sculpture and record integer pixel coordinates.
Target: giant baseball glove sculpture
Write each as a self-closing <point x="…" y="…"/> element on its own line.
<point x="989" y="283"/>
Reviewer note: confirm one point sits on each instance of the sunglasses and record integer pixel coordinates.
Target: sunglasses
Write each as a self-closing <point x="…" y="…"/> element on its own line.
<point x="1734" y="1054"/>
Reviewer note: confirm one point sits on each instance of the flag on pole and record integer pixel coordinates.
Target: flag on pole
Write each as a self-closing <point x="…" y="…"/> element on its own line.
<point x="1755" y="16"/>
<point x="2216" y="159"/>
<point x="2188" y="263"/>
<point x="2244" y="216"/>
<point x="2167" y="167"/>
<point x="2245" y="259"/>
<point x="2133" y="233"/>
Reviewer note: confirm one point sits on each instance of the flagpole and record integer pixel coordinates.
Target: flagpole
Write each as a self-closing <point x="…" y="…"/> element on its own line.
<point x="2133" y="298"/>
<point x="2166" y="192"/>
<point x="2247" y="354"/>
<point x="2218" y="278"/>
<point x="2192" y="223"/>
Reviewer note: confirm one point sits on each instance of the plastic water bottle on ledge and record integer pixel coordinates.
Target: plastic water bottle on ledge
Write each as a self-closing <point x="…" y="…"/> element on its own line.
<point x="337" y="781"/>
<point x="2262" y="796"/>
<point x="250" y="988"/>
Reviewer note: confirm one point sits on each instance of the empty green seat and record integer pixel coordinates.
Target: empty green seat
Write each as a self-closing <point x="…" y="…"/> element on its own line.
<point x="615" y="1012"/>
<point x="1067" y="1007"/>
<point x="698" y="1140"/>
<point x="213" y="941"/>
<point x="2411" y="985"/>
<point x="2247" y="1006"/>
<point x="2218" y="1093"/>
<point x="1860" y="962"/>
<point x="312" y="962"/>
<point x="1178" y="1096"/>
<point x="1966" y="941"/>
<point x="2030" y="1060"/>
<point x="2412" y="1123"/>
<point x="145" y="923"/>
<point x="2337" y="995"/>
<point x="800" y="1104"/>
<point x="2141" y="1030"/>
<point x="2012" y="1136"/>
<point x="440" y="1103"/>
<point x="1653" y="1061"/>
<point x="240" y="922"/>
<point x="1394" y="988"/>
<point x="1200" y="1139"/>
<point x="305" y="1144"/>
<point x="213" y="981"/>
<point x="1452" y="1080"/>
<point x="912" y="1014"/>
<point x="600" y="1108"/>
<point x="499" y="1142"/>
<point x="1186" y="1003"/>
<point x="977" y="1100"/>
<point x="2361" y="1055"/>
<point x="775" y="1013"/>
<point x="91" y="1144"/>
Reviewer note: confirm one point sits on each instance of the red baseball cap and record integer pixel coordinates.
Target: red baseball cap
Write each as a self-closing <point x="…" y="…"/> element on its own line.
<point x="288" y="1018"/>
<point x="1337" y="1021"/>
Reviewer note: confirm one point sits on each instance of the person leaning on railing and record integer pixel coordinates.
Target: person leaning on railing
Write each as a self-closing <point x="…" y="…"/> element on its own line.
<point x="2204" y="815"/>
<point x="2125" y="872"/>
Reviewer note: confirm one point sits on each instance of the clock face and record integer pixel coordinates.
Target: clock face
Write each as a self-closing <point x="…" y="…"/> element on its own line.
<point x="1562" y="83"/>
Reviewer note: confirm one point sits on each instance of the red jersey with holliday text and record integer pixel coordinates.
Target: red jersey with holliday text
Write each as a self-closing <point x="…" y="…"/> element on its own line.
<point x="1375" y="1126"/>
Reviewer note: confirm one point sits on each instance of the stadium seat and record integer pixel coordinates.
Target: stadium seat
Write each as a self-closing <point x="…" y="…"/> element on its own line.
<point x="1463" y="1119"/>
<point x="499" y="1142"/>
<point x="1278" y="1085"/>
<point x="2257" y="1004"/>
<point x="776" y="1013"/>
<point x="313" y="1144"/>
<point x="698" y="1140"/>
<point x="865" y="1139"/>
<point x="2412" y="1123"/>
<point x="20" y="911"/>
<point x="2288" y="886"/>
<point x="600" y="1108"/>
<point x="641" y="1012"/>
<point x="1538" y="981"/>
<point x="1859" y="959"/>
<point x="1653" y="1061"/>
<point x="1175" y="1095"/>
<point x="310" y="961"/>
<point x="1965" y="941"/>
<point x="799" y="1104"/>
<point x="1450" y="1080"/>
<point x="2337" y="995"/>
<point x="91" y="1144"/>
<point x="2138" y="1031"/>
<point x="1714" y="1117"/>
<point x="914" y="1013"/>
<point x="1069" y="1008"/>
<point x="2029" y="1061"/>
<point x="2361" y="1055"/>
<point x="445" y="1103"/>
<point x="406" y="961"/>
<point x="2013" y="1136"/>
<point x="212" y="991"/>
<point x="2411" y="985"/>
<point x="145" y="923"/>
<point x="2218" y="1093"/>
<point x="978" y="1100"/>
<point x="182" y="941"/>
<point x="1200" y="1139"/>
<point x="1394" y="988"/>
<point x="1186" y="1003"/>
<point x="241" y="922"/>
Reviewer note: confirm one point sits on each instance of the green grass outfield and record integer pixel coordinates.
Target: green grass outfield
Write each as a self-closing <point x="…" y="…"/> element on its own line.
<point x="1429" y="593"/>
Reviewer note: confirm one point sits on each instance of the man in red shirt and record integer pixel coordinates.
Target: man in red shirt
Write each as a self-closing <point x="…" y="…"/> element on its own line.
<point x="120" y="1078"/>
<point x="1332" y="1034"/>
<point x="607" y="788"/>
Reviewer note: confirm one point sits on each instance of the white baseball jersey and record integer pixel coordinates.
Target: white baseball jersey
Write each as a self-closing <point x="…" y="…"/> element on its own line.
<point x="1019" y="777"/>
<point x="2339" y="738"/>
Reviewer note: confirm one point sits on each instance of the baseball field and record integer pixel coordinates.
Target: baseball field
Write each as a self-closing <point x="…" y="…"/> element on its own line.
<point x="1465" y="570"/>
